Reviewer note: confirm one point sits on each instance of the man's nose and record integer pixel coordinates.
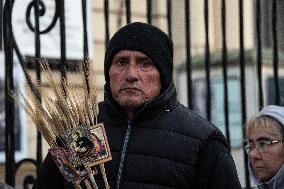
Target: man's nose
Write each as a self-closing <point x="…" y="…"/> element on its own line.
<point x="131" y="72"/>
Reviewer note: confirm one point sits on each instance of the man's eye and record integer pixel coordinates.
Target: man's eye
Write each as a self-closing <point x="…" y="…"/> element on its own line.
<point x="145" y="63"/>
<point x="120" y="62"/>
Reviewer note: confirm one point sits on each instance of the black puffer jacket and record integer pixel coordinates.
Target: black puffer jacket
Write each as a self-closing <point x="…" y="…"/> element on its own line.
<point x="164" y="146"/>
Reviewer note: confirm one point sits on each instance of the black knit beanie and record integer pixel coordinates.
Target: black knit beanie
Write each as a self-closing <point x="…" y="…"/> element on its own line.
<point x="145" y="38"/>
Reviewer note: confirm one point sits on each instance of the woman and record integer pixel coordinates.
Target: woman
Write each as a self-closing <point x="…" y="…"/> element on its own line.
<point x="265" y="134"/>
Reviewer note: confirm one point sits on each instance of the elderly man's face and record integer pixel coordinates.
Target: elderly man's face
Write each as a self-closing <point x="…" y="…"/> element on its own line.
<point x="134" y="79"/>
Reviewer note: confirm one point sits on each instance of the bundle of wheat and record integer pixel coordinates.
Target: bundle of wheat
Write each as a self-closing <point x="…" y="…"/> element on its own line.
<point x="60" y="116"/>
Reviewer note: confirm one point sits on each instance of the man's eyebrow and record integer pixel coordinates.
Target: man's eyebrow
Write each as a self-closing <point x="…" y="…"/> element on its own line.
<point x="119" y="58"/>
<point x="144" y="58"/>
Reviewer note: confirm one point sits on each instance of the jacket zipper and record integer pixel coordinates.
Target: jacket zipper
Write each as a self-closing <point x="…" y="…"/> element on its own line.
<point x="123" y="154"/>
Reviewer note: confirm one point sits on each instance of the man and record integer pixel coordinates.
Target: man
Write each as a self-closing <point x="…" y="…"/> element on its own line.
<point x="156" y="143"/>
<point x="265" y="135"/>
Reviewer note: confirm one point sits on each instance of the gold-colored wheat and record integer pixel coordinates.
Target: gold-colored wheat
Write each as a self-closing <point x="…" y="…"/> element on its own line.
<point x="53" y="115"/>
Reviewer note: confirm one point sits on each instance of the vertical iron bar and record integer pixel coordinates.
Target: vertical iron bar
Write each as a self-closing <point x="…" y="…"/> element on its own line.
<point x="1" y="25"/>
<point x="149" y="11"/>
<point x="9" y="105"/>
<point x="85" y="29"/>
<point x="259" y="52"/>
<point x="37" y="40"/>
<point x="128" y="11"/>
<point x="188" y="53"/>
<point x="38" y="76"/>
<point x="225" y="77"/>
<point x="242" y="83"/>
<point x="106" y="7"/>
<point x="9" y="119"/>
<point x="275" y="51"/>
<point x="62" y="43"/>
<point x="207" y="61"/>
<point x="169" y="17"/>
<point x="85" y="41"/>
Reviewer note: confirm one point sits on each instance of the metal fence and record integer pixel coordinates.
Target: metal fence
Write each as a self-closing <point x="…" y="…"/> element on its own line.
<point x="38" y="6"/>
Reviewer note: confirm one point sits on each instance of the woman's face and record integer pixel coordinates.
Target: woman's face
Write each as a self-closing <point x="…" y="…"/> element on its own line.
<point x="267" y="161"/>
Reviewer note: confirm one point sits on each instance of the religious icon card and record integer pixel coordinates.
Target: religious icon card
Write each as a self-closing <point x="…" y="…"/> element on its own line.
<point x="79" y="140"/>
<point x="61" y="158"/>
<point x="99" y="138"/>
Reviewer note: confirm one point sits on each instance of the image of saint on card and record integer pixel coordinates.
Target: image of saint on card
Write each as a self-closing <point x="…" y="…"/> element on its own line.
<point x="79" y="140"/>
<point x="102" y="151"/>
<point x="60" y="157"/>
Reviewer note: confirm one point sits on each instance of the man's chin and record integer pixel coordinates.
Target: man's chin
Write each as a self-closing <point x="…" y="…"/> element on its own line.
<point x="130" y="102"/>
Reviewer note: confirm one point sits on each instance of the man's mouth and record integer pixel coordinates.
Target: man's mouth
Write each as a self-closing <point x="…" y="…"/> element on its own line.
<point x="130" y="88"/>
